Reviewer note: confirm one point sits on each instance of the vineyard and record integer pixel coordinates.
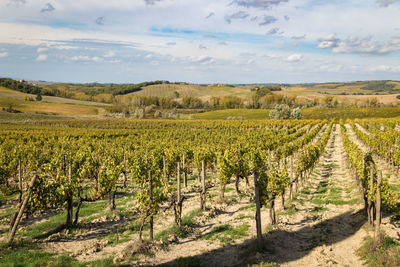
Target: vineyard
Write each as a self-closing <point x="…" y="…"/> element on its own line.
<point x="198" y="193"/>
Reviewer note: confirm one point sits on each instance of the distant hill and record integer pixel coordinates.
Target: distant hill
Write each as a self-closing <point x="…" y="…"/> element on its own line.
<point x="124" y="98"/>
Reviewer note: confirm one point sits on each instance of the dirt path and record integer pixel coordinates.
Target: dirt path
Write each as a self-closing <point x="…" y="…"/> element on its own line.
<point x="328" y="226"/>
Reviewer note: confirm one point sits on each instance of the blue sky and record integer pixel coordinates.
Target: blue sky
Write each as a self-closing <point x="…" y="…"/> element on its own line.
<point x="200" y="41"/>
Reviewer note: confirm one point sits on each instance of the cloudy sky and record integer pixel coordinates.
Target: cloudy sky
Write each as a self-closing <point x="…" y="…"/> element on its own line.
<point x="201" y="41"/>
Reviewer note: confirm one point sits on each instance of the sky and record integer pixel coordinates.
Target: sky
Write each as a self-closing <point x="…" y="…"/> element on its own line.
<point x="200" y="41"/>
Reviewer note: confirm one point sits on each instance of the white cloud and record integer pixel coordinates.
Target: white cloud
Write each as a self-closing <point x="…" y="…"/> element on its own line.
<point x="263" y="4"/>
<point x="270" y="56"/>
<point x="203" y="60"/>
<point x="366" y="45"/>
<point x="3" y="54"/>
<point x="328" y="41"/>
<point x="64" y="47"/>
<point x="42" y="49"/>
<point x="86" y="58"/>
<point x="109" y="54"/>
<point x="41" y="57"/>
<point x="299" y="37"/>
<point x="16" y="2"/>
<point x="294" y="58"/>
<point x="97" y="59"/>
<point x="154" y="63"/>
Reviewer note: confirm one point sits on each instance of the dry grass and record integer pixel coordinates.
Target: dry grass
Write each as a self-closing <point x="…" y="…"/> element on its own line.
<point x="8" y="93"/>
<point x="382" y="251"/>
<point x="204" y="92"/>
<point x="49" y="104"/>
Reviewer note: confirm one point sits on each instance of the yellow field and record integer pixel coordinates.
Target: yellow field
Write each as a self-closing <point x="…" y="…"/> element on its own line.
<point x="203" y="92"/>
<point x="48" y="105"/>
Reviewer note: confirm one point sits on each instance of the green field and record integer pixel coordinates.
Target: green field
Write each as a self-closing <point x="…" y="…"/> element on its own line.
<point x="308" y="113"/>
<point x="250" y="114"/>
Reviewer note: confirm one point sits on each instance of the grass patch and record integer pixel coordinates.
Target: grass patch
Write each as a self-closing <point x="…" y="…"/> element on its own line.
<point x="248" y="207"/>
<point x="337" y="202"/>
<point x="88" y="209"/>
<point x="334" y="192"/>
<point x="118" y="237"/>
<point x="4" y="198"/>
<point x="42" y="230"/>
<point x="226" y="233"/>
<point x="231" y="200"/>
<point x="244" y="216"/>
<point x="228" y="189"/>
<point x="322" y="187"/>
<point x="289" y="210"/>
<point x="189" y="218"/>
<point x="305" y="191"/>
<point x="7" y="213"/>
<point x="383" y="251"/>
<point x="30" y="257"/>
<point x="181" y="231"/>
<point x="164" y="234"/>
<point x="395" y="187"/>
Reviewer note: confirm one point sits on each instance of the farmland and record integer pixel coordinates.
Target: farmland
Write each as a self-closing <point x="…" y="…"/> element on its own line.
<point x="49" y="104"/>
<point x="186" y="193"/>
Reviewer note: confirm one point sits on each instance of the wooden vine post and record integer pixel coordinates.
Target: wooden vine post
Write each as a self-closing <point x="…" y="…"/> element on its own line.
<point x="378" y="205"/>
<point x="151" y="204"/>
<point x="258" y="207"/>
<point x="178" y="211"/>
<point x="184" y="170"/>
<point x="70" y="206"/>
<point x="124" y="171"/>
<point x="21" y="211"/>
<point x="203" y="186"/>
<point x="19" y="181"/>
<point x="164" y="167"/>
<point x="237" y="177"/>
<point x="370" y="202"/>
<point x="291" y="179"/>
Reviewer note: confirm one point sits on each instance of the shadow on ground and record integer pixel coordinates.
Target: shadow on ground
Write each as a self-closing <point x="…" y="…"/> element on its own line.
<point x="280" y="246"/>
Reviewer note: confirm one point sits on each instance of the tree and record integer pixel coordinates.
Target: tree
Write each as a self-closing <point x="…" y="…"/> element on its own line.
<point x="280" y="111"/>
<point x="328" y="101"/>
<point x="295" y="114"/>
<point x="38" y="97"/>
